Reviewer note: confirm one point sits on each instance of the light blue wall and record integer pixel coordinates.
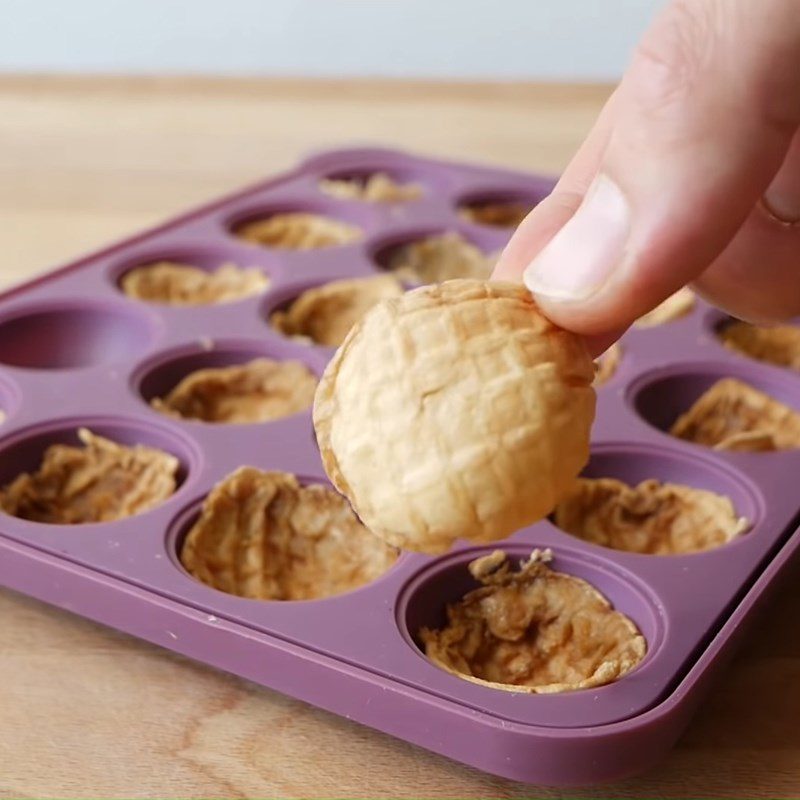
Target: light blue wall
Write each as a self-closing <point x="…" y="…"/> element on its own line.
<point x="561" y="39"/>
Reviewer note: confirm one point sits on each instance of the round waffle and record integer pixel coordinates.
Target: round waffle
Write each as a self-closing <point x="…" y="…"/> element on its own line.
<point x="455" y="411"/>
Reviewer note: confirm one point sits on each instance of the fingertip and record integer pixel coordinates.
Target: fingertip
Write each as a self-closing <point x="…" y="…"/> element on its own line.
<point x="533" y="234"/>
<point x="597" y="345"/>
<point x="574" y="316"/>
<point x="505" y="270"/>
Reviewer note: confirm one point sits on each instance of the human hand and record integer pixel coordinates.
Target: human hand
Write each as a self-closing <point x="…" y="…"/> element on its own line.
<point x="690" y="174"/>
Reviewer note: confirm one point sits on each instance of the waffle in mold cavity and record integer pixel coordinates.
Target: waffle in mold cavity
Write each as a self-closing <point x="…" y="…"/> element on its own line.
<point x="99" y="480"/>
<point x="297" y="230"/>
<point x="264" y="536"/>
<point x="533" y="630"/>
<point x="259" y="390"/>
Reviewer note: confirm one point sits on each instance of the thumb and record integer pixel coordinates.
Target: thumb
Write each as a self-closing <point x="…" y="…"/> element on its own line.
<point x="703" y="120"/>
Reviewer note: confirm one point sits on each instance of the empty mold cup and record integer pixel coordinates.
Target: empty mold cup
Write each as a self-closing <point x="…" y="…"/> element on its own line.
<point x="73" y="334"/>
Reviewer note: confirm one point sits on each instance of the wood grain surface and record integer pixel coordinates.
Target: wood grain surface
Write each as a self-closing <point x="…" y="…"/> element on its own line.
<point x="88" y="712"/>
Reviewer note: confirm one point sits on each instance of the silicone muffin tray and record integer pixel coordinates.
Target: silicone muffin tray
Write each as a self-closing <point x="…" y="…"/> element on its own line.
<point x="74" y="351"/>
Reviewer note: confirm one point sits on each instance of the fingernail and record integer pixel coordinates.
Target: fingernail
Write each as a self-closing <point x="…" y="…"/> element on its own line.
<point x="581" y="257"/>
<point x="782" y="199"/>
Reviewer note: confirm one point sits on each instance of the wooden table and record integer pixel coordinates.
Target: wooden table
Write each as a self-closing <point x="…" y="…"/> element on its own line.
<point x="85" y="711"/>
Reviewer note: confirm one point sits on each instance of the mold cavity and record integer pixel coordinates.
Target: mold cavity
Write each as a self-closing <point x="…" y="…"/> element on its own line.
<point x="176" y="283"/>
<point x="674" y="307"/>
<point x="297" y="230"/>
<point x="80" y="474"/>
<point x="324" y="314"/>
<point x="228" y="385"/>
<point x="721" y="412"/>
<point x="606" y="366"/>
<point x="370" y="187"/>
<point x="72" y="335"/>
<point x="532" y="629"/>
<point x="264" y="536"/>
<point x="733" y="415"/>
<point x="655" y="503"/>
<point x="435" y="258"/>
<point x="778" y="345"/>
<point x="496" y="210"/>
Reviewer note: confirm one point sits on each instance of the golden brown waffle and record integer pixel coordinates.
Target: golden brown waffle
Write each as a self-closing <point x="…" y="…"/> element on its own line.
<point x="674" y="307"/>
<point x="455" y="410"/>
<point x="376" y="188"/>
<point x="606" y="365"/>
<point x="298" y="231"/>
<point x="499" y="214"/>
<point x="652" y="517"/>
<point x="258" y="391"/>
<point x="176" y="284"/>
<point x="262" y="535"/>
<point x="439" y="258"/>
<point x="533" y="630"/>
<point x="732" y="415"/>
<point x="779" y="345"/>
<point x="324" y="315"/>
<point x="100" y="482"/>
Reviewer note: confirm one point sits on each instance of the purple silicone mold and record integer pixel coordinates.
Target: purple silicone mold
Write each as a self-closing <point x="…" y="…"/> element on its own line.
<point x="74" y="351"/>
